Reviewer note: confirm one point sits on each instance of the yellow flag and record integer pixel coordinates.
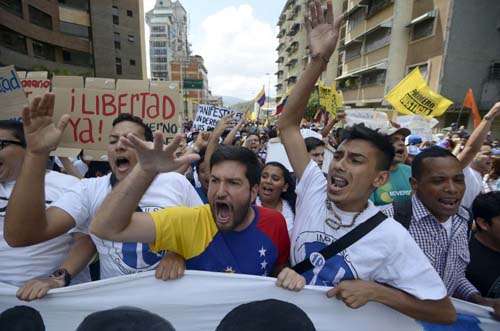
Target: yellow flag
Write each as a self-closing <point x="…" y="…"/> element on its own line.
<point x="412" y="96"/>
<point x="329" y="98"/>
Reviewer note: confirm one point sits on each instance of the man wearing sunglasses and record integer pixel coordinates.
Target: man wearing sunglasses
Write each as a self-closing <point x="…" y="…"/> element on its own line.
<point x="40" y="260"/>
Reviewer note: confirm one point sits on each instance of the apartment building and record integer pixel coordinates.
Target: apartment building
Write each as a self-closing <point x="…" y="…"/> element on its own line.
<point x="193" y="77"/>
<point x="168" y="23"/>
<point x="455" y="43"/>
<point x="293" y="53"/>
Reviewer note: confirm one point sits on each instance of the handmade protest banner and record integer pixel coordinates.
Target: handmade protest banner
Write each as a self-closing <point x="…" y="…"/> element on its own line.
<point x="370" y="118"/>
<point x="12" y="96"/>
<point x="412" y="96"/>
<point x="329" y="98"/>
<point x="95" y="105"/>
<point x="418" y="125"/>
<point x="35" y="83"/>
<point x="207" y="116"/>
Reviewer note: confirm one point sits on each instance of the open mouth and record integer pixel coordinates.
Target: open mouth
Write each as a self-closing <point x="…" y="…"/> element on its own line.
<point x="223" y="212"/>
<point x="449" y="203"/>
<point x="266" y="190"/>
<point x="338" y="183"/>
<point x="122" y="164"/>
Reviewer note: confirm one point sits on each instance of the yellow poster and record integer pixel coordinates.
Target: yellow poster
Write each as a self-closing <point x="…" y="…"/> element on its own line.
<point x="329" y="98"/>
<point x="412" y="96"/>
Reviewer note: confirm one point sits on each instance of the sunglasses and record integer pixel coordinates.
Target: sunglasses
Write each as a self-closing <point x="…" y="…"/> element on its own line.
<point x="5" y="143"/>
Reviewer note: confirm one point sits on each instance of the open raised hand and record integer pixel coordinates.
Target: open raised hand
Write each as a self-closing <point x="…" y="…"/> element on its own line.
<point x="42" y="134"/>
<point x="154" y="157"/>
<point x="322" y="30"/>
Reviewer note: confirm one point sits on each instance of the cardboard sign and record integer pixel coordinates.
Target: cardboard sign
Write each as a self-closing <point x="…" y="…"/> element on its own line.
<point x="418" y="125"/>
<point x="95" y="105"/>
<point x="370" y="118"/>
<point x="35" y="83"/>
<point x="12" y="96"/>
<point x="208" y="116"/>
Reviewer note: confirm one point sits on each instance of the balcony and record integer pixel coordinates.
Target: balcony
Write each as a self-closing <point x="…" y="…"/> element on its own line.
<point x="374" y="93"/>
<point x="353" y="5"/>
<point x="350" y="96"/>
<point x="293" y="30"/>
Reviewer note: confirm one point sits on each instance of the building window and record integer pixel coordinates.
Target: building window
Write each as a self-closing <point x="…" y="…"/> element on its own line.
<point x="132" y="62"/>
<point x="130" y="13"/>
<point x="117" y="40"/>
<point x="377" y="6"/>
<point x="373" y="78"/>
<point x="118" y="65"/>
<point x="424" y="69"/>
<point x="353" y="52"/>
<point x="422" y="29"/>
<point x="116" y="15"/>
<point x="355" y="19"/>
<point x="74" y="29"/>
<point x="351" y="83"/>
<point x="12" y="40"/>
<point x="377" y="39"/>
<point x="44" y="51"/>
<point x="13" y="6"/>
<point x="131" y="38"/>
<point x="77" y="4"/>
<point x="40" y="18"/>
<point x="77" y="58"/>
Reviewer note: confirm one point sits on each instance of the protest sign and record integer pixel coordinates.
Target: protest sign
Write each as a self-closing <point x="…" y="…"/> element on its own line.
<point x="276" y="153"/>
<point x="412" y="96"/>
<point x="207" y="116"/>
<point x="418" y="125"/>
<point x="329" y="98"/>
<point x="12" y="96"/>
<point x="35" y="83"/>
<point x="200" y="300"/>
<point x="369" y="117"/>
<point x="93" y="107"/>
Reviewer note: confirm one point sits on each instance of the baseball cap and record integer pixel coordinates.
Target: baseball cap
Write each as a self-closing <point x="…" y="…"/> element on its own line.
<point x="413" y="139"/>
<point x="266" y="315"/>
<point x="392" y="130"/>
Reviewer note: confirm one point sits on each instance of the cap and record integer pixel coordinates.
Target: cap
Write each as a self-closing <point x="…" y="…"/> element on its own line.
<point x="392" y="130"/>
<point x="413" y="139"/>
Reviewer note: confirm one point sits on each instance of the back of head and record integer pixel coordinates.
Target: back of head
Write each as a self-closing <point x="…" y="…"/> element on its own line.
<point x="487" y="206"/>
<point x="15" y="128"/>
<point x="266" y="315"/>
<point x="239" y="154"/>
<point x="378" y="140"/>
<point x="21" y="318"/>
<point x="124" y="319"/>
<point x="313" y="143"/>
<point x="126" y="117"/>
<point x="431" y="152"/>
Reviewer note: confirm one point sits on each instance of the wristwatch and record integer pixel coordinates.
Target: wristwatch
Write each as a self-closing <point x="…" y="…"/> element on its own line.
<point x="62" y="274"/>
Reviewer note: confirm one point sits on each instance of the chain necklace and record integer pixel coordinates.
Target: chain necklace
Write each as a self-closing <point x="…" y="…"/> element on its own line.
<point x="336" y="222"/>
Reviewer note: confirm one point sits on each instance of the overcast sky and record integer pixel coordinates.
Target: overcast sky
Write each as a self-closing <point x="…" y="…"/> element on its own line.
<point x="238" y="41"/>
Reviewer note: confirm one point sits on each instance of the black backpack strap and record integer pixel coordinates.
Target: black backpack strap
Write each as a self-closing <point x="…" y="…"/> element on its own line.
<point x="342" y="243"/>
<point x="403" y="212"/>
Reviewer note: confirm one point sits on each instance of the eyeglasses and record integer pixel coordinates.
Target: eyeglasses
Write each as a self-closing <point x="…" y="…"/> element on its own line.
<point x="5" y="143"/>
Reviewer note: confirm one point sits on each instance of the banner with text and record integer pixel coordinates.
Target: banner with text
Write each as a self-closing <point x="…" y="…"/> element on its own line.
<point x="207" y="116"/>
<point x="370" y="118"/>
<point x="35" y="83"/>
<point x="200" y="300"/>
<point x="12" y="96"/>
<point x="418" y="125"/>
<point x="329" y="98"/>
<point x="95" y="105"/>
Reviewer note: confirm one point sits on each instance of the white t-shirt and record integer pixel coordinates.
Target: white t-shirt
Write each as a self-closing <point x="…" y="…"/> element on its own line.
<point x="286" y="211"/>
<point x="116" y="259"/>
<point x="388" y="254"/>
<point x="447" y="226"/>
<point x="20" y="264"/>
<point x="473" y="186"/>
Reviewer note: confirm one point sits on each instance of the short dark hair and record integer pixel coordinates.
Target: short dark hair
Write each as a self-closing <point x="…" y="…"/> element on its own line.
<point x="313" y="143"/>
<point x="126" y="117"/>
<point x="238" y="154"/>
<point x="16" y="128"/>
<point x="378" y="140"/>
<point x="431" y="152"/>
<point x="486" y="206"/>
<point x="21" y="318"/>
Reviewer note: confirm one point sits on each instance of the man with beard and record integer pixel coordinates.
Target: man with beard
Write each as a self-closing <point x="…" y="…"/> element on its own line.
<point x="397" y="188"/>
<point x="438" y="224"/>
<point x="26" y="226"/>
<point x="226" y="235"/>
<point x="385" y="265"/>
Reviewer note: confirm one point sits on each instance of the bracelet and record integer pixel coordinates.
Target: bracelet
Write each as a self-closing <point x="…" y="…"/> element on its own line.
<point x="62" y="274"/>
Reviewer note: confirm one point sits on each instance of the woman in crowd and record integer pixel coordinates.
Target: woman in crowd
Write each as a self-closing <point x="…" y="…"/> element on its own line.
<point x="277" y="191"/>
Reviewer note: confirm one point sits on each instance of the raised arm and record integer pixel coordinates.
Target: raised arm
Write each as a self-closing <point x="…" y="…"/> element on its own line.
<point x="231" y="136"/>
<point x="478" y="136"/>
<point x="116" y="220"/>
<point x="322" y="35"/>
<point x="25" y="225"/>
<point x="213" y="142"/>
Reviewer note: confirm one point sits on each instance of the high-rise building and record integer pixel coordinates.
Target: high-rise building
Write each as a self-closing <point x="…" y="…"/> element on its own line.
<point x="293" y="53"/>
<point x="101" y="38"/>
<point x="168" y="23"/>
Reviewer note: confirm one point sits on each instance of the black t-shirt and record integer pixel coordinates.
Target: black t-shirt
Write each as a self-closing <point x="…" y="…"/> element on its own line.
<point x="483" y="270"/>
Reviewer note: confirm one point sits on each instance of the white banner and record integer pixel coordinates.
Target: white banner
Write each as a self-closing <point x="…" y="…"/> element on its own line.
<point x="200" y="300"/>
<point x="370" y="118"/>
<point x="207" y="116"/>
<point x="418" y="125"/>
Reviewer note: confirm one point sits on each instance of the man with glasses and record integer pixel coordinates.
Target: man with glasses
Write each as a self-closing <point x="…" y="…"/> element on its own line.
<point x="38" y="260"/>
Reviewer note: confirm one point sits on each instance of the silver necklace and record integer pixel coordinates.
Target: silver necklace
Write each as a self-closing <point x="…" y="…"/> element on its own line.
<point x="336" y="222"/>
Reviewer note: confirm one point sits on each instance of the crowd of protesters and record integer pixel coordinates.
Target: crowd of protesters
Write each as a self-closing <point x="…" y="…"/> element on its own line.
<point x="210" y="201"/>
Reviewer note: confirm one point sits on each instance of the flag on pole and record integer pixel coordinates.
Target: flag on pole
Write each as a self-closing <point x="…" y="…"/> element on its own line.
<point x="329" y="98"/>
<point x="412" y="96"/>
<point x="470" y="103"/>
<point x="260" y="99"/>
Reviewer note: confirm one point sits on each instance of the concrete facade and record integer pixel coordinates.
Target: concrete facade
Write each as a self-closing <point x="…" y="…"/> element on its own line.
<point x="191" y="70"/>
